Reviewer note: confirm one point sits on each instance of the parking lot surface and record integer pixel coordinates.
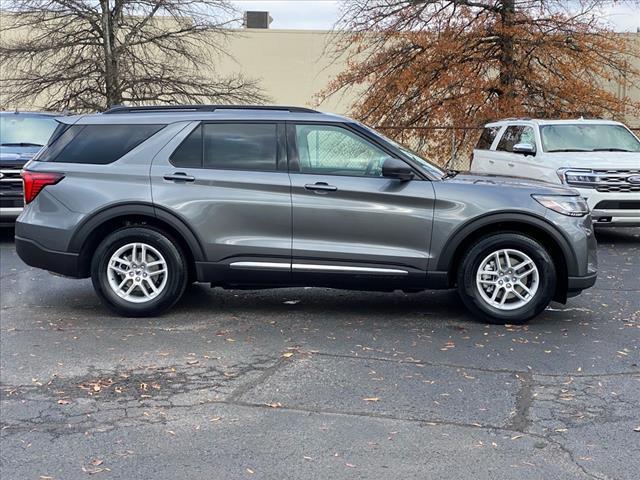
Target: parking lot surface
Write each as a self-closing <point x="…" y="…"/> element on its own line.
<point x="319" y="383"/>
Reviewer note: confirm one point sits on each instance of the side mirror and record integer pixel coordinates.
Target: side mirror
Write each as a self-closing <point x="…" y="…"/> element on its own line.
<point x="394" y="168"/>
<point x="524" y="149"/>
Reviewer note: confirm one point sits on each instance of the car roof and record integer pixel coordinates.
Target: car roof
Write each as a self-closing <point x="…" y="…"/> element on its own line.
<point x="159" y="115"/>
<point x="542" y="121"/>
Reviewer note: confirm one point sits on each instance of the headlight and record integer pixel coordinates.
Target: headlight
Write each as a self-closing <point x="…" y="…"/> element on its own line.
<point x="572" y="206"/>
<point x="577" y="176"/>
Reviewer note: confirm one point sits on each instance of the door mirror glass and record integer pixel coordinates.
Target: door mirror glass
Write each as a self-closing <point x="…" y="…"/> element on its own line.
<point x="394" y="168"/>
<point x="524" y="149"/>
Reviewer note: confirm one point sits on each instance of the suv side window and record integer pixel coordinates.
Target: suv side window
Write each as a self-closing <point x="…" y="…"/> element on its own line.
<point x="96" y="144"/>
<point x="515" y="134"/>
<point x="331" y="150"/>
<point x="231" y="146"/>
<point x="486" y="139"/>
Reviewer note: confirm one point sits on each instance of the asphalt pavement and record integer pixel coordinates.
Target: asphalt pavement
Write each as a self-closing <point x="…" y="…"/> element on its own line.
<point x="313" y="383"/>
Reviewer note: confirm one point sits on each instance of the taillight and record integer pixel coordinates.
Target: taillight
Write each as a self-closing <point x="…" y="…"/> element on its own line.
<point x="34" y="182"/>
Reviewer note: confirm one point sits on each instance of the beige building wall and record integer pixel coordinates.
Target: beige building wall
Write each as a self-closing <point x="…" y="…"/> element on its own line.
<point x="293" y="66"/>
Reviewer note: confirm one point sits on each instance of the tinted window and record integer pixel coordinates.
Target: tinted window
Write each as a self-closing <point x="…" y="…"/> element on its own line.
<point x="189" y="153"/>
<point x="97" y="144"/>
<point x="240" y="146"/>
<point x="487" y="138"/>
<point x="516" y="134"/>
<point x="337" y="151"/>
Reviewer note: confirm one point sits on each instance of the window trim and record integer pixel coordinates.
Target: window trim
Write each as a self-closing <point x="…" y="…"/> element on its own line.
<point x="294" y="158"/>
<point x="281" y="160"/>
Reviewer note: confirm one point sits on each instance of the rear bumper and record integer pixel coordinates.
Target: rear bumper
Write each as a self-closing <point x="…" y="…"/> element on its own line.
<point x="35" y="255"/>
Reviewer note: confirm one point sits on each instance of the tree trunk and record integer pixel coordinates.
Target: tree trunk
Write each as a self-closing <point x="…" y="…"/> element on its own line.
<point x="507" y="60"/>
<point x="111" y="74"/>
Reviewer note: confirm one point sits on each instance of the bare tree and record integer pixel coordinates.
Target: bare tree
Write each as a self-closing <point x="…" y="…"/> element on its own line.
<point x="93" y="54"/>
<point x="460" y="63"/>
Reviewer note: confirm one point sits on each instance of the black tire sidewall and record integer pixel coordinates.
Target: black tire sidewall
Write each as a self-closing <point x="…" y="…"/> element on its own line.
<point x="477" y="253"/>
<point x="176" y="276"/>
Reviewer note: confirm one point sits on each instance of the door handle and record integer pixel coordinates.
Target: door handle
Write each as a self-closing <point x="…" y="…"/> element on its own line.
<point x="492" y="162"/>
<point x="320" y="187"/>
<point x="511" y="164"/>
<point x="179" y="177"/>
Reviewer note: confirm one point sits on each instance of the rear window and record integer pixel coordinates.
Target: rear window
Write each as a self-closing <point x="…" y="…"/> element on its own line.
<point x="487" y="138"/>
<point x="96" y="144"/>
<point x="234" y="146"/>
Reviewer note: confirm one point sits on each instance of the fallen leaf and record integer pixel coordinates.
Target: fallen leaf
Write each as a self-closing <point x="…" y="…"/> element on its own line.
<point x="371" y="399"/>
<point x="64" y="401"/>
<point x="287" y="354"/>
<point x="96" y="462"/>
<point x="250" y="471"/>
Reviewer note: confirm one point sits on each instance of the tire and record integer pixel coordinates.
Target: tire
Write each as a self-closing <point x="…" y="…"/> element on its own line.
<point x="478" y="292"/>
<point x="160" y="252"/>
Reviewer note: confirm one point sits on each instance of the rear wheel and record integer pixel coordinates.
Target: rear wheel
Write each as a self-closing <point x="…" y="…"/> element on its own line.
<point x="139" y="271"/>
<point x="507" y="278"/>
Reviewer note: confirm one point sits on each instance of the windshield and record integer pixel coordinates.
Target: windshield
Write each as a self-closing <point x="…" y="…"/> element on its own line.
<point x="22" y="130"/>
<point x="426" y="165"/>
<point x="588" y="138"/>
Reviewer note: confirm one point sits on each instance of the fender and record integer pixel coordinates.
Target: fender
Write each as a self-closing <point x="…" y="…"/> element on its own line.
<point x="463" y="232"/>
<point x="128" y="209"/>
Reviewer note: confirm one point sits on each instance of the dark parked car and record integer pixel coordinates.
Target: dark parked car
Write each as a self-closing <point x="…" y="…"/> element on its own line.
<point x="22" y="134"/>
<point x="145" y="200"/>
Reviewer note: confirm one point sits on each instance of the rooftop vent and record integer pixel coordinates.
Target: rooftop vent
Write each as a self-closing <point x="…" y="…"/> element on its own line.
<point x="257" y="19"/>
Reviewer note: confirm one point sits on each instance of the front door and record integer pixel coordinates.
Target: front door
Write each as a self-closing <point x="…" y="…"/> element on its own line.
<point x="351" y="224"/>
<point x="228" y="182"/>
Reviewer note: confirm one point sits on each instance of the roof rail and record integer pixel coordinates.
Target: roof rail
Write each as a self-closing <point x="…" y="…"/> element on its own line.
<point x="203" y="108"/>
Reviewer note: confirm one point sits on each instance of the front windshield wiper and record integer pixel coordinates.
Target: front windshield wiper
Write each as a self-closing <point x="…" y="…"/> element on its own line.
<point x="450" y="173"/>
<point x="21" y="144"/>
<point x="569" y="150"/>
<point x="613" y="149"/>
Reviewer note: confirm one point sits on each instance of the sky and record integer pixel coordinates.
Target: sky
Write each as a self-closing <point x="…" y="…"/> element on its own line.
<point x="322" y="14"/>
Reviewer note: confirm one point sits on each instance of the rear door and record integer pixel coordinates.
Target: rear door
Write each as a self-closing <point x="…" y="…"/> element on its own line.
<point x="351" y="224"/>
<point x="227" y="181"/>
<point x="483" y="160"/>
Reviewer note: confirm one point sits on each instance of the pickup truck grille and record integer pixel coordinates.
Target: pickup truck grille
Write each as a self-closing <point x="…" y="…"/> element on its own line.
<point x="607" y="181"/>
<point x="10" y="186"/>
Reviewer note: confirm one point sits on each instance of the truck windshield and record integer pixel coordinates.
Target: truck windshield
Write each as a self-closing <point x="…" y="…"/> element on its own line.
<point x="588" y="138"/>
<point x="25" y="131"/>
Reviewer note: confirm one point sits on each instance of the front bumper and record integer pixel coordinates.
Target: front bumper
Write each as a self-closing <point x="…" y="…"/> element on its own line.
<point x="8" y="215"/>
<point x="613" y="209"/>
<point x="576" y="284"/>
<point x="35" y="255"/>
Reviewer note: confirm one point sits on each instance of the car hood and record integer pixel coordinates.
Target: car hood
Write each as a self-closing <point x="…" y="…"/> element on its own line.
<point x="499" y="181"/>
<point x="596" y="160"/>
<point x="17" y="154"/>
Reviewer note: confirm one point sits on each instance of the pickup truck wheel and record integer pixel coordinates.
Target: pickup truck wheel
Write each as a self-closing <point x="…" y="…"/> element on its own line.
<point x="507" y="278"/>
<point x="138" y="272"/>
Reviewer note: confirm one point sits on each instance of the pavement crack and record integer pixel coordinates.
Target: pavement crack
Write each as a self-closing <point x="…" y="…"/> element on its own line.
<point x="524" y="398"/>
<point x="266" y="374"/>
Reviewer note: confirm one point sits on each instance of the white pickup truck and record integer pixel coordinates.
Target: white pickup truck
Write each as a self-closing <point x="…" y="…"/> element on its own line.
<point x="600" y="158"/>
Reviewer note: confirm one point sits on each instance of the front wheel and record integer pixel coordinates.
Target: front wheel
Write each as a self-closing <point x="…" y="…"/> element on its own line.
<point x="138" y="272"/>
<point x="507" y="278"/>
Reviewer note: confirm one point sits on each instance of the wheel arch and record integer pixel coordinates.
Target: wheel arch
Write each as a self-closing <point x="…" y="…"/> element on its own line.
<point x="536" y="227"/>
<point x="89" y="234"/>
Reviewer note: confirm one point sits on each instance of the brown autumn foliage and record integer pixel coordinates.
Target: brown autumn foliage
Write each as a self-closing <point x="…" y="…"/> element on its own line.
<point x="426" y="63"/>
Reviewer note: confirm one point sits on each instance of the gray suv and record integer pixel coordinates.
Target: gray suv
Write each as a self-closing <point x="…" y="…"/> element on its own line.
<point x="146" y="200"/>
